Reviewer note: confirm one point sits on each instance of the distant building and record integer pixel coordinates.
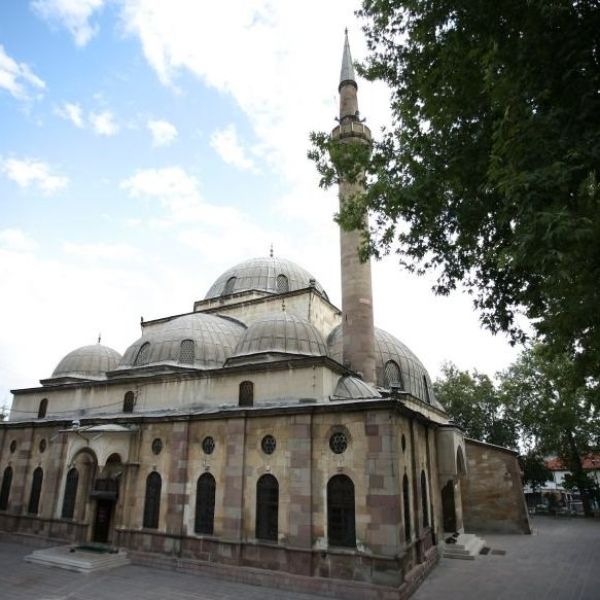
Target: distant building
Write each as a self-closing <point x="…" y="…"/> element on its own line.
<point x="266" y="432"/>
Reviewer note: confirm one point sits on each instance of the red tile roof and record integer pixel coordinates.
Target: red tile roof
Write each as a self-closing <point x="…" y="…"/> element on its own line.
<point x="591" y="462"/>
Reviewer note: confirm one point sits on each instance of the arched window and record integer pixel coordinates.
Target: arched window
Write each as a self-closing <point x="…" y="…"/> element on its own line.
<point x="391" y="374"/>
<point x="36" y="491"/>
<point x="43" y="408"/>
<point x="246" y="397"/>
<point x="128" y="402"/>
<point x="406" y="505"/>
<point x="341" y="528"/>
<point x="424" y="502"/>
<point x="5" y="490"/>
<point x="187" y="352"/>
<point x="267" y="508"/>
<point x="68" y="507"/>
<point x="426" y="390"/>
<point x="283" y="285"/>
<point x="228" y="289"/>
<point x="152" y="502"/>
<point x="205" y="504"/>
<point x="143" y="355"/>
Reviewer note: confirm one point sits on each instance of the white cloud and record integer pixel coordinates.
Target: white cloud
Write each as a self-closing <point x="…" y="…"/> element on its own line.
<point x="116" y="251"/>
<point x="103" y="123"/>
<point x="163" y="132"/>
<point x="17" y="78"/>
<point x="71" y="112"/>
<point x="75" y="15"/>
<point x="28" y="171"/>
<point x="16" y="240"/>
<point x="227" y="145"/>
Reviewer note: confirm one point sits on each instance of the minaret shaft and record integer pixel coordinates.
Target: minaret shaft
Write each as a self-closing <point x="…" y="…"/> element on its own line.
<point x="357" y="296"/>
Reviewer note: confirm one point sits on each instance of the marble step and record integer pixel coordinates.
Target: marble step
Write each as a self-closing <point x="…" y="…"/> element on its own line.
<point x="81" y="560"/>
<point x="467" y="547"/>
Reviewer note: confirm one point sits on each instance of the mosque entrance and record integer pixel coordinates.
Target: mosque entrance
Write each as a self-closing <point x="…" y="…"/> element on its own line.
<point x="106" y="494"/>
<point x="449" y="507"/>
<point x="102" y="522"/>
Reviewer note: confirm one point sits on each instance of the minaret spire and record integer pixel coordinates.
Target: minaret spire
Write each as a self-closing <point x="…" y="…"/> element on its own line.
<point x="357" y="297"/>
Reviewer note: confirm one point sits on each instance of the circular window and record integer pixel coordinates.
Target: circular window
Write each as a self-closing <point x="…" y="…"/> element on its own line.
<point x="268" y="444"/>
<point x="13" y="446"/>
<point x="208" y="445"/>
<point x="338" y="442"/>
<point x="403" y="442"/>
<point x="42" y="446"/>
<point x="157" y="445"/>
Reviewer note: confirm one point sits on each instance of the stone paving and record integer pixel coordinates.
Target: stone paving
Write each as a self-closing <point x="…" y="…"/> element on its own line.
<point x="561" y="561"/>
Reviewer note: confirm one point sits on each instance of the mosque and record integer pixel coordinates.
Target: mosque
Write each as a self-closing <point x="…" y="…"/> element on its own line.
<point x="267" y="436"/>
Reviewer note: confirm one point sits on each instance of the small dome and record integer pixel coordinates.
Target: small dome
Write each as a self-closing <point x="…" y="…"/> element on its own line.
<point x="269" y="274"/>
<point x="196" y="340"/>
<point x="353" y="388"/>
<point x="394" y="364"/>
<point x="88" y="362"/>
<point x="281" y="333"/>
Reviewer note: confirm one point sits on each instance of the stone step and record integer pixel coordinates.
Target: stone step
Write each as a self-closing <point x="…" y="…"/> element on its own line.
<point x="467" y="547"/>
<point x="81" y="560"/>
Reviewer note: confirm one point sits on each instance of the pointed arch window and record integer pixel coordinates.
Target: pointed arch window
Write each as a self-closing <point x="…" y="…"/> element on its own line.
<point x="205" y="504"/>
<point x="187" y="352"/>
<point x="128" y="402"/>
<point x="341" y="521"/>
<point x="392" y="375"/>
<point x="426" y="390"/>
<point x="143" y="355"/>
<point x="152" y="501"/>
<point x="246" y="397"/>
<point x="5" y="490"/>
<point x="43" y="408"/>
<point x="406" y="506"/>
<point x="36" y="491"/>
<point x="68" y="507"/>
<point x="229" y="286"/>
<point x="424" y="502"/>
<point x="283" y="284"/>
<point x="267" y="508"/>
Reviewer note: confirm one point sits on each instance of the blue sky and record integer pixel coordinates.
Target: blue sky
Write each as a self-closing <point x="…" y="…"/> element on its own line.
<point x="145" y="147"/>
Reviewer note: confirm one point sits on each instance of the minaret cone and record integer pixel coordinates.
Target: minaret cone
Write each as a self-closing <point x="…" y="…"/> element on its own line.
<point x="357" y="296"/>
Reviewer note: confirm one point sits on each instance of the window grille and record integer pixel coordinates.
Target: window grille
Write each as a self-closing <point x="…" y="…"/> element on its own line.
<point x="152" y="501"/>
<point x="392" y="375"/>
<point x="424" y="503"/>
<point x="246" y="395"/>
<point x="43" y="408"/>
<point x="268" y="444"/>
<point x="341" y="525"/>
<point x="5" y="490"/>
<point x="208" y="445"/>
<point x="338" y="442"/>
<point x="406" y="505"/>
<point x="403" y="441"/>
<point x="157" y="446"/>
<point x="283" y="285"/>
<point x="228" y="289"/>
<point x="267" y="508"/>
<point x="128" y="402"/>
<point x="68" y="507"/>
<point x="143" y="355"/>
<point x="42" y="446"/>
<point x="205" y="504"/>
<point x="36" y="491"/>
<point x="187" y="352"/>
<point x="13" y="446"/>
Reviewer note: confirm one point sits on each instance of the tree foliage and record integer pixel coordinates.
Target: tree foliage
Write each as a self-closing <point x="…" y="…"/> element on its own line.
<point x="535" y="472"/>
<point x="490" y="172"/>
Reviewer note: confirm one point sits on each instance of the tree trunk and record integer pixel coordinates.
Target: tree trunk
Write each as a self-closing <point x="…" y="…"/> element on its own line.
<point x="576" y="466"/>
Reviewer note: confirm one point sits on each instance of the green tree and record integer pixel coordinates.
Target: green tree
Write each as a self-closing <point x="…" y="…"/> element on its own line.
<point x="474" y="403"/>
<point x="556" y="413"/>
<point x="535" y="472"/>
<point x="489" y="175"/>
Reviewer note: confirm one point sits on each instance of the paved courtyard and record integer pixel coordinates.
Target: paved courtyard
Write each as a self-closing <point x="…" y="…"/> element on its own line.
<point x="560" y="562"/>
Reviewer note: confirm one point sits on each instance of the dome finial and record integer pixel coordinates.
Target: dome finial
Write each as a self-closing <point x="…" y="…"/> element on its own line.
<point x="271" y="250"/>
<point x="99" y="337"/>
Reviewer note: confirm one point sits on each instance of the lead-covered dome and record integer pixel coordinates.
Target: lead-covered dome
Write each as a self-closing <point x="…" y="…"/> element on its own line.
<point x="87" y="362"/>
<point x="395" y="364"/>
<point x="353" y="388"/>
<point x="281" y="333"/>
<point x="196" y="340"/>
<point x="269" y="274"/>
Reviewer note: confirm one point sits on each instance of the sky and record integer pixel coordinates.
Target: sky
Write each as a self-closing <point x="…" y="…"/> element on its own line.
<point x="147" y="146"/>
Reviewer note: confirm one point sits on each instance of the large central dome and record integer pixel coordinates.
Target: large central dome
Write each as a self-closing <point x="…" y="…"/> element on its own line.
<point x="267" y="274"/>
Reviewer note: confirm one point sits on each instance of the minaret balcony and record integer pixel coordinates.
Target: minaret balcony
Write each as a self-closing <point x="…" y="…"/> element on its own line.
<point x="352" y="129"/>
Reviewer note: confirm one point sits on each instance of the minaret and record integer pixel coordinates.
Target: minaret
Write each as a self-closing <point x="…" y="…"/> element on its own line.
<point x="357" y="295"/>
